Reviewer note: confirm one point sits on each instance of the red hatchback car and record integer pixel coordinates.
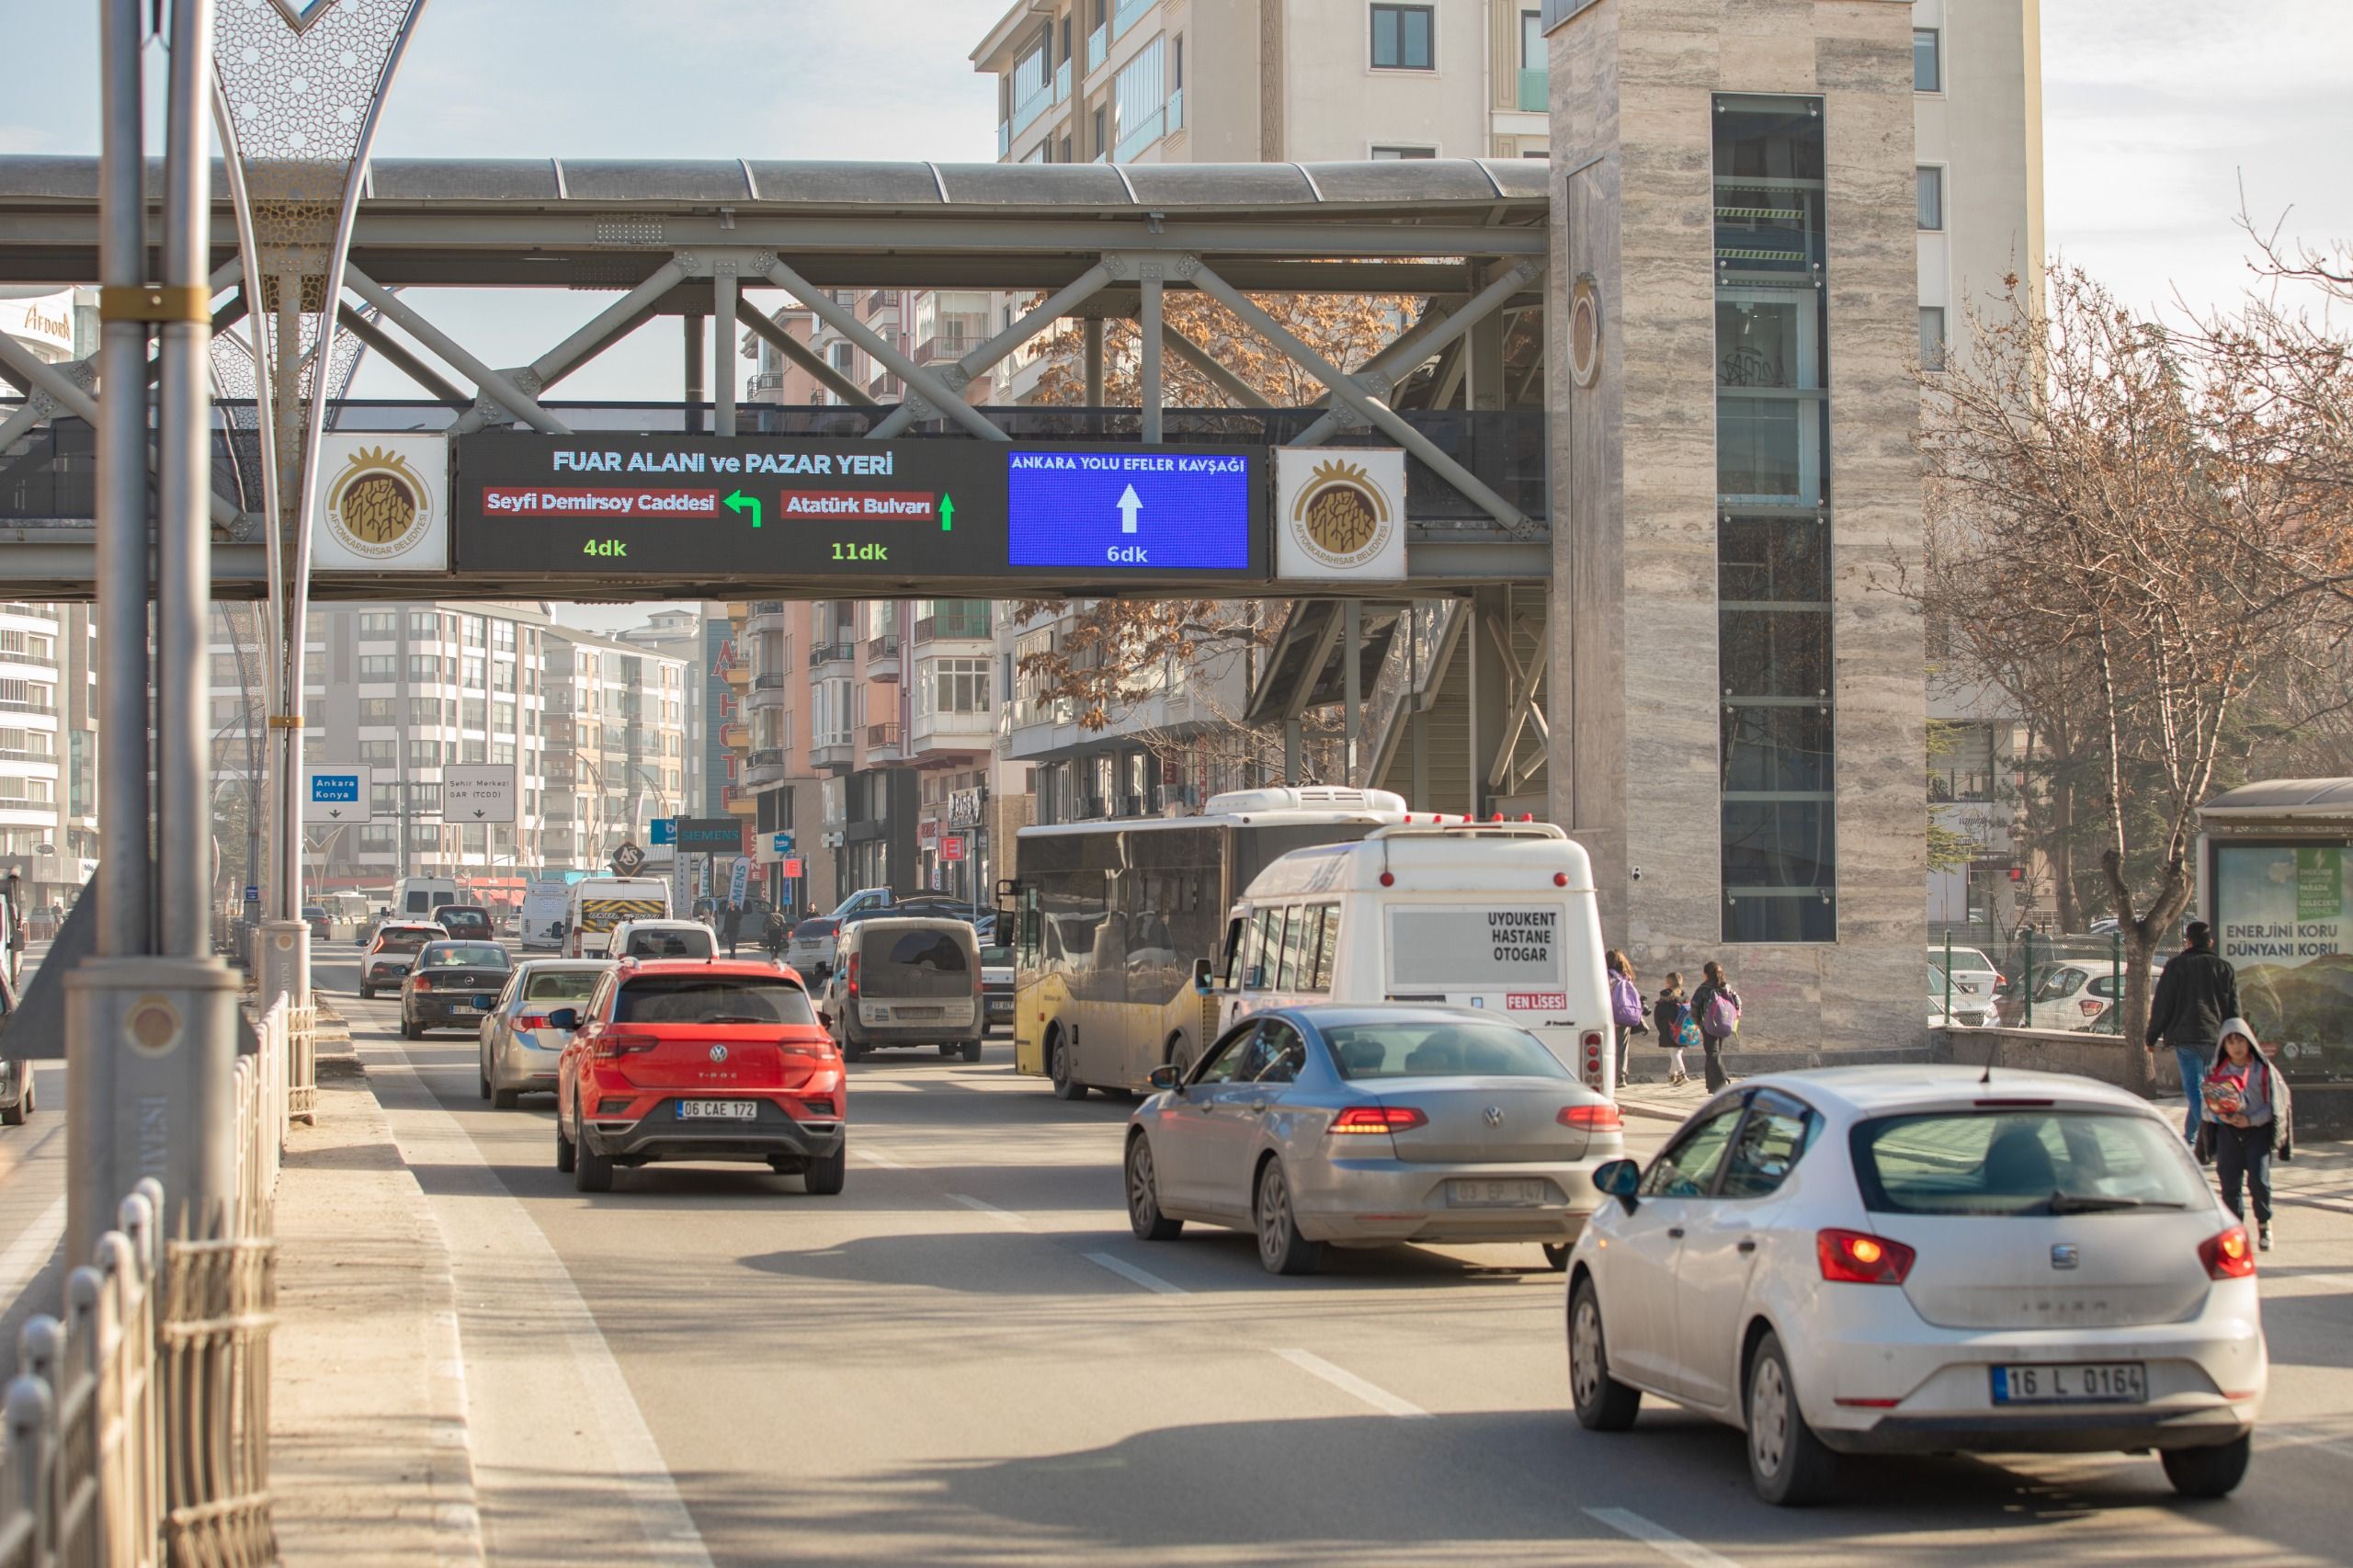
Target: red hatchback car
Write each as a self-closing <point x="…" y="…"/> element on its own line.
<point x="699" y="1060"/>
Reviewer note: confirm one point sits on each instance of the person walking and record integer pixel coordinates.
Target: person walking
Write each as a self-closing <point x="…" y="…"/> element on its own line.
<point x="2247" y="1119"/>
<point x="1716" y="1006"/>
<point x="730" y="927"/>
<point x="1626" y="1008"/>
<point x="2196" y="991"/>
<point x="774" y="934"/>
<point x="1671" y="1016"/>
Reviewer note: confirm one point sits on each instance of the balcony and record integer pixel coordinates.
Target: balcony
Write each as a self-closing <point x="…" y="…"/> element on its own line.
<point x="964" y="621"/>
<point x="1026" y="111"/>
<point x="882" y="657"/>
<point x="953" y="732"/>
<point x="37" y="661"/>
<point x="884" y="743"/>
<point x="833" y="751"/>
<point x="737" y="801"/>
<point x="1176" y="111"/>
<point x="764" y="766"/>
<point x="1098" y="48"/>
<point x="941" y="348"/>
<point x="735" y="738"/>
<point x="766" y="615"/>
<point x="1535" y="91"/>
<point x="1148" y="131"/>
<point x="738" y="676"/>
<point x="886" y="386"/>
<point x="1127" y="12"/>
<point x="833" y="654"/>
<point x="883" y="300"/>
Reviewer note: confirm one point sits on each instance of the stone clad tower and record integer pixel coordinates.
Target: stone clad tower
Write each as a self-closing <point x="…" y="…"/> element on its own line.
<point x="1736" y="683"/>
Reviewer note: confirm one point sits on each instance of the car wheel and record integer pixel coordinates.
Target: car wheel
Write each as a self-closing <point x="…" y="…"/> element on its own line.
<point x="1180" y="1056"/>
<point x="16" y="1114"/>
<point x="855" y="1050"/>
<point x="367" y="993"/>
<point x="826" y="1175"/>
<point x="482" y="1072"/>
<point x="411" y="1029"/>
<point x="564" y="1153"/>
<point x="591" y="1172"/>
<point x="28" y="1094"/>
<point x="1281" y="1248"/>
<point x="1058" y="1067"/>
<point x="1144" y="1217"/>
<point x="1556" y="1256"/>
<point x="1787" y="1463"/>
<point x="505" y="1099"/>
<point x="2208" y="1473"/>
<point x="972" y="1050"/>
<point x="1603" y="1404"/>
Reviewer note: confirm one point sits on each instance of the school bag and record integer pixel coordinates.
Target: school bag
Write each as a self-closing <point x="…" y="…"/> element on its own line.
<point x="1625" y="1002"/>
<point x="1724" y="1018"/>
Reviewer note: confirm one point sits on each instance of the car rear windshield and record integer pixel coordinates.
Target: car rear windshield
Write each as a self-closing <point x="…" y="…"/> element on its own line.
<point x="712" y="999"/>
<point x="818" y="928"/>
<point x="405" y="941"/>
<point x="466" y="955"/>
<point x="997" y="957"/>
<point x="562" y="984"/>
<point x="1439" y="1051"/>
<point x="2028" y="1161"/>
<point x="670" y="945"/>
<point x="1966" y="958"/>
<point x="914" y="963"/>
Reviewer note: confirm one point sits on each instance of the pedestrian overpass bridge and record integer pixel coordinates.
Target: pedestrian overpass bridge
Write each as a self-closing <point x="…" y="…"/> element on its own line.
<point x="1459" y="390"/>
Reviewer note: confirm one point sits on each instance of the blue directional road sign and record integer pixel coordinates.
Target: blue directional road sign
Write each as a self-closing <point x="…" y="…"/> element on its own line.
<point x="336" y="794"/>
<point x="1142" y="510"/>
<point x="665" y="831"/>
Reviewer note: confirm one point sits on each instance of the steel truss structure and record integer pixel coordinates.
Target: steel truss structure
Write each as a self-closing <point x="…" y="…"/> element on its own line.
<point x="698" y="240"/>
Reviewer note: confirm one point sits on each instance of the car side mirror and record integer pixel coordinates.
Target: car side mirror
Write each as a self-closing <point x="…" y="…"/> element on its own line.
<point x="1162" y="1076"/>
<point x="1202" y="981"/>
<point x="565" y="1018"/>
<point x="1618" y="1179"/>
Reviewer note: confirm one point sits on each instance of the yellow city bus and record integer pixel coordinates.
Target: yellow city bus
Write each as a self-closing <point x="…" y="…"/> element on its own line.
<point x="1109" y="917"/>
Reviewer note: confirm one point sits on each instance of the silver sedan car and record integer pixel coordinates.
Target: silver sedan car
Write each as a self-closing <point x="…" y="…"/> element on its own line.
<point x="519" y="1048"/>
<point x="1363" y="1126"/>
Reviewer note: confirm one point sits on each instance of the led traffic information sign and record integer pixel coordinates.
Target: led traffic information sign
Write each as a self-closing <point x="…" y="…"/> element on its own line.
<point x="608" y="506"/>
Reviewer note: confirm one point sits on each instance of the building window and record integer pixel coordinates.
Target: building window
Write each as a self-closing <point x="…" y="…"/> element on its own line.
<point x="1532" y="56"/>
<point x="425" y="754"/>
<point x="1932" y="196"/>
<point x="422" y="623"/>
<point x="1927" y="61"/>
<point x="955" y="686"/>
<point x="380" y="753"/>
<point x="1398" y="152"/>
<point x="380" y="667"/>
<point x="1402" y="37"/>
<point x="1138" y="99"/>
<point x="1777" y="802"/>
<point x="377" y="625"/>
<point x="841" y="356"/>
<point x="378" y="710"/>
<point x="1932" y="337"/>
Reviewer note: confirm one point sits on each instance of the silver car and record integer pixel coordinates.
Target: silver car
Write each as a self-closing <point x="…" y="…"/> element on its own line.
<point x="520" y="1048"/>
<point x="1364" y="1125"/>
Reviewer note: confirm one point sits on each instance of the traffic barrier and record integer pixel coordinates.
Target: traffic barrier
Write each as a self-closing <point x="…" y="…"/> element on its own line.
<point x="138" y="1428"/>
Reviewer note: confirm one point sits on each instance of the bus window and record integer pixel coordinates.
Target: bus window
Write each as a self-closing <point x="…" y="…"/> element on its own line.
<point x="1289" y="970"/>
<point x="1326" y="948"/>
<point x="1228" y="972"/>
<point x="1029" y="925"/>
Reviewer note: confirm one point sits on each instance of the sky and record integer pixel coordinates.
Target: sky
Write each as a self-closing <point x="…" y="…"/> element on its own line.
<point x="2157" y="116"/>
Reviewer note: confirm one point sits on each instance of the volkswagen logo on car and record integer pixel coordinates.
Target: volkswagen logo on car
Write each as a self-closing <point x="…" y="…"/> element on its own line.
<point x="719" y="1053"/>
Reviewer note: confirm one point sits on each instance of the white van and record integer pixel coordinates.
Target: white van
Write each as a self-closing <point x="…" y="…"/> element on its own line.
<point x="415" y="898"/>
<point x="598" y="904"/>
<point x="1498" y="916"/>
<point x="547" y="904"/>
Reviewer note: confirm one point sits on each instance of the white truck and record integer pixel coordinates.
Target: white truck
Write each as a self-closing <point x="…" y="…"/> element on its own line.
<point x="595" y="905"/>
<point x="547" y="904"/>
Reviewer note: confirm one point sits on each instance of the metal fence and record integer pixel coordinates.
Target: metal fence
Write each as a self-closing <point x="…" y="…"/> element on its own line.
<point x="2046" y="981"/>
<point x="138" y="1428"/>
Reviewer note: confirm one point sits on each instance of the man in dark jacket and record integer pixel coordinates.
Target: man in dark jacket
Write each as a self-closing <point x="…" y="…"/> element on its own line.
<point x="2196" y="991"/>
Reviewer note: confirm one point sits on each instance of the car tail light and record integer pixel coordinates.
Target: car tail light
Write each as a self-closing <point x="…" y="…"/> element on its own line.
<point x="1376" y="1119"/>
<point x="424" y="983"/>
<point x="530" y="1020"/>
<point x="849" y="982"/>
<point x="2227" y="1255"/>
<point x="1592" y="1043"/>
<point x="623" y="1043"/>
<point x="1602" y="1118"/>
<point x="1854" y="1257"/>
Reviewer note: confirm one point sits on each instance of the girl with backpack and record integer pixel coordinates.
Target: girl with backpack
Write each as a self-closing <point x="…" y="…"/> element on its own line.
<point x="1716" y="1006"/>
<point x="1677" y="1029"/>
<point x="1626" y="1008"/>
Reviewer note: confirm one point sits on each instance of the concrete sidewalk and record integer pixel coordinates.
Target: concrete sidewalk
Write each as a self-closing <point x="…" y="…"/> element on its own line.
<point x="371" y="1459"/>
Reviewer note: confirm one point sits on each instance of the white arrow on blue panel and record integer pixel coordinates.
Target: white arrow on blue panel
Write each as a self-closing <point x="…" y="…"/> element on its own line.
<point x="1130" y="504"/>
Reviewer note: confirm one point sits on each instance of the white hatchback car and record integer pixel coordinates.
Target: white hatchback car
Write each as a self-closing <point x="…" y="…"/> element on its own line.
<point x="1923" y="1260"/>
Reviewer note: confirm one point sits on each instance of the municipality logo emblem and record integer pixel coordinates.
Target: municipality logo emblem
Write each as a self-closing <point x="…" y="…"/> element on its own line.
<point x="1341" y="518"/>
<point x="378" y="507"/>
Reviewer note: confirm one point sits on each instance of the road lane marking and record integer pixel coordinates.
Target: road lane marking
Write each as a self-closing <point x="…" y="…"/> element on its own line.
<point x="991" y="1210"/>
<point x="1129" y="1271"/>
<point x="885" y="1161"/>
<point x="30" y="1252"/>
<point x="1340" y="1377"/>
<point x="498" y="1252"/>
<point x="1659" y="1539"/>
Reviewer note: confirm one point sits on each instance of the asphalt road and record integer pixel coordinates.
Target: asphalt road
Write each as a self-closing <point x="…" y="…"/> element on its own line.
<point x="966" y="1359"/>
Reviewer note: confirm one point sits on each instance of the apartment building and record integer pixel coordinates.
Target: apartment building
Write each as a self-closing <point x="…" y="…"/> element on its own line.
<point x="596" y="729"/>
<point x="694" y="635"/>
<point x="1977" y="78"/>
<point x="48" y="750"/>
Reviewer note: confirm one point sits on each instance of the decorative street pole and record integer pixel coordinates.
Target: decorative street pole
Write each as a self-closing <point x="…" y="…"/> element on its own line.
<point x="298" y="89"/>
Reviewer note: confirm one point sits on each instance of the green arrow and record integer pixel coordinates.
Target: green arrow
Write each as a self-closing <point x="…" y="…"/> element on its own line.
<point x="946" y="513"/>
<point x="738" y="501"/>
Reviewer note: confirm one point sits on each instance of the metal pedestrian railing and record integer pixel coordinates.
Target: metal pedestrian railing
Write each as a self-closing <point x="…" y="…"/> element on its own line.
<point x="137" y="1428"/>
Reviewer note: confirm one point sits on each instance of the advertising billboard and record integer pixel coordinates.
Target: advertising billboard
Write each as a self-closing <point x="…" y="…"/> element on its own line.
<point x="2282" y="920"/>
<point x="613" y="505"/>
